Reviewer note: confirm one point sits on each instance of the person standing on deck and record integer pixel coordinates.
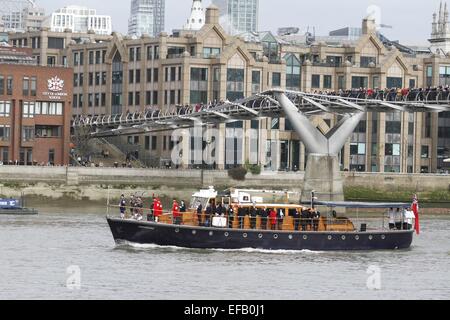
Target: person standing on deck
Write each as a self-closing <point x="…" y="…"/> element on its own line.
<point x="230" y="217"/>
<point x="391" y="218"/>
<point x="182" y="206"/>
<point x="199" y="214"/>
<point x="273" y="219"/>
<point x="122" y="206"/>
<point x="296" y="216"/>
<point x="157" y="209"/>
<point x="176" y="212"/>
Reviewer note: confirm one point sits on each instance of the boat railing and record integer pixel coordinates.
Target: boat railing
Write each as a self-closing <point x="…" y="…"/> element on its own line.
<point x="258" y="222"/>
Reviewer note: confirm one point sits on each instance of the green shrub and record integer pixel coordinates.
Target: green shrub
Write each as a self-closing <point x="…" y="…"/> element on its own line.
<point x="237" y="173"/>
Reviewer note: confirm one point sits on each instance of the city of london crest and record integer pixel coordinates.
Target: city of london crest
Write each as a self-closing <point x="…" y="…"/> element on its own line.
<point x="55" y="84"/>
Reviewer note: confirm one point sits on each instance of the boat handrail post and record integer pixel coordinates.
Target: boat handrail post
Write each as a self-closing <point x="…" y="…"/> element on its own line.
<point x="107" y="203"/>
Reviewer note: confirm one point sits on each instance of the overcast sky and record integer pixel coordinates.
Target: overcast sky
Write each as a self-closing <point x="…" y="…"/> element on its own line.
<point x="410" y="19"/>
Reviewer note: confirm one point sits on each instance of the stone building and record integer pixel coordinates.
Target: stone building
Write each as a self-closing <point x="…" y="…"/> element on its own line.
<point x="118" y="74"/>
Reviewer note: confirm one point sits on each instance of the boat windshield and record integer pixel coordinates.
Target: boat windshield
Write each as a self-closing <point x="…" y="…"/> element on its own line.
<point x="196" y="201"/>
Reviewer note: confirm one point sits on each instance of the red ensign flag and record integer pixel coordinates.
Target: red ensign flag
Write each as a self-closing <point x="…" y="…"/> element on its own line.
<point x="415" y="209"/>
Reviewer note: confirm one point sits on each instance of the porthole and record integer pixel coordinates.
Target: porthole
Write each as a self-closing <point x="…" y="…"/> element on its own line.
<point x="211" y="233"/>
<point x="305" y="237"/>
<point x="226" y="234"/>
<point x="177" y="230"/>
<point x="383" y="237"/>
<point x="194" y="232"/>
<point x="343" y="237"/>
<point x="356" y="237"/>
<point x="290" y="237"/>
<point x="370" y="237"/>
<point x="245" y="235"/>
<point x="330" y="237"/>
<point x="275" y="236"/>
<point x="260" y="235"/>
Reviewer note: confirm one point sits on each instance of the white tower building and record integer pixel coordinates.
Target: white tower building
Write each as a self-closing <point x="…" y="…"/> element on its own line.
<point x="197" y="19"/>
<point x="440" y="33"/>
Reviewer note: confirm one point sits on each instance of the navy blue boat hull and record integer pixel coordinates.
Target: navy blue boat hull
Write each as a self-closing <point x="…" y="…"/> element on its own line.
<point x="222" y="238"/>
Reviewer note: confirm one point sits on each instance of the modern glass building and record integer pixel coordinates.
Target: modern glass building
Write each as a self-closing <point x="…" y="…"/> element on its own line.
<point x="238" y="16"/>
<point x="146" y="17"/>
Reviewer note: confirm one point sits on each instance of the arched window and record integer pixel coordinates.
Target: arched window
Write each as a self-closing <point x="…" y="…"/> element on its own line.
<point x="293" y="71"/>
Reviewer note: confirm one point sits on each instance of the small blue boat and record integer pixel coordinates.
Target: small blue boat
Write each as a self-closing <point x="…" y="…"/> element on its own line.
<point x="15" y="207"/>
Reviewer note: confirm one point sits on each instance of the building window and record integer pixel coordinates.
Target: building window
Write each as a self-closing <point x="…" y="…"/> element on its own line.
<point x="81" y="58"/>
<point x="103" y="78"/>
<point x="444" y="75"/>
<point x="392" y="149"/>
<point x="28" y="109"/>
<point x="131" y="56"/>
<point x="148" y="97"/>
<point x="81" y="79"/>
<point x="155" y="75"/>
<point x="97" y="100"/>
<point x="199" y="85"/>
<point x="394" y="82"/>
<point x="155" y="97"/>
<point x="211" y="52"/>
<point x="137" y="98"/>
<point x="33" y="86"/>
<point x="51" y="156"/>
<point x="138" y="76"/>
<point x="9" y="86"/>
<point x="327" y="82"/>
<point x="91" y="78"/>
<point x="293" y="73"/>
<point x="235" y="84"/>
<point x="5" y="132"/>
<point x="90" y="100"/>
<point x="2" y="85"/>
<point x="366" y="61"/>
<point x="131" y="76"/>
<point x="425" y="154"/>
<point x="75" y="101"/>
<point x="91" y="57"/>
<point x="276" y="79"/>
<point x="25" y="86"/>
<point x="27" y="134"/>
<point x="357" y="149"/>
<point x="97" y="78"/>
<point x="149" y="75"/>
<point x="5" y="108"/>
<point x="149" y="53"/>
<point x="173" y="74"/>
<point x="75" y="80"/>
<point x="154" y="142"/>
<point x="341" y="83"/>
<point x="256" y="81"/>
<point x="104" y="56"/>
<point x="103" y="99"/>
<point x="130" y="98"/>
<point x="429" y="78"/>
<point x="360" y="82"/>
<point x="98" y="57"/>
<point x="315" y="81"/>
<point x="138" y="54"/>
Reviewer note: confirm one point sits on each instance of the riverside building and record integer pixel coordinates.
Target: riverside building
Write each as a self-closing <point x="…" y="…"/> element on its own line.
<point x="35" y="110"/>
<point x="120" y="74"/>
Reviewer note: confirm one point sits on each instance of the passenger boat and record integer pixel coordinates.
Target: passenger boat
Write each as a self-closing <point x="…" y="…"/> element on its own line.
<point x="240" y="228"/>
<point x="15" y="207"/>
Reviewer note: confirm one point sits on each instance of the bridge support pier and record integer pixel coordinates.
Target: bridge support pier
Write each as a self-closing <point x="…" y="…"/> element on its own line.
<point x="323" y="174"/>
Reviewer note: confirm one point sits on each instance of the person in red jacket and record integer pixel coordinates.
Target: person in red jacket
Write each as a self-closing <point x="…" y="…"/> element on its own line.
<point x="273" y="219"/>
<point x="157" y="209"/>
<point x="176" y="212"/>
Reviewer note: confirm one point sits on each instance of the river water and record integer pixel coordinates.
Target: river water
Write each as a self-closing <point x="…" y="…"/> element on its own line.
<point x="37" y="251"/>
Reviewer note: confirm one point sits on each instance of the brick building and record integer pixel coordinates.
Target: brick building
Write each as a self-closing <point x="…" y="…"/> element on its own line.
<point x="35" y="110"/>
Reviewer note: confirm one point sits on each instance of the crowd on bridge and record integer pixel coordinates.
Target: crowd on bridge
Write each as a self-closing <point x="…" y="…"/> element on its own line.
<point x="429" y="94"/>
